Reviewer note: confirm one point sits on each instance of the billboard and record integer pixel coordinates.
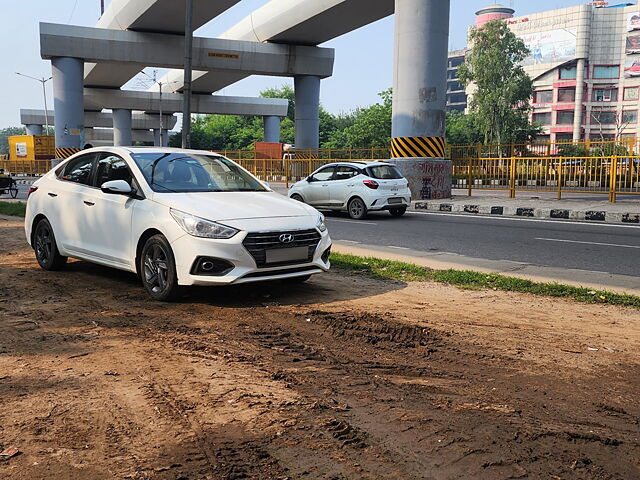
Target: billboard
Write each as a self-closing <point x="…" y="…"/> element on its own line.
<point x="632" y="67"/>
<point x="633" y="21"/>
<point x="633" y="44"/>
<point x="553" y="46"/>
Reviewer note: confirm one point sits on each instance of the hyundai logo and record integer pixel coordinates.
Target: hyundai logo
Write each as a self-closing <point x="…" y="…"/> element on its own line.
<point x="286" y="238"/>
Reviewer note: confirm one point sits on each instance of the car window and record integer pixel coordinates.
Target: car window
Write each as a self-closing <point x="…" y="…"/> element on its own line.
<point x="324" y="174"/>
<point x="344" y="173"/>
<point x="111" y="167"/>
<point x="78" y="170"/>
<point x="384" y="172"/>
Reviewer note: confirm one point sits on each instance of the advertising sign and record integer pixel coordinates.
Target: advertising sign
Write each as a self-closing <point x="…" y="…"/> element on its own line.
<point x="633" y="44"/>
<point x="632" y="67"/>
<point x="21" y="150"/>
<point x="553" y="46"/>
<point x="633" y="21"/>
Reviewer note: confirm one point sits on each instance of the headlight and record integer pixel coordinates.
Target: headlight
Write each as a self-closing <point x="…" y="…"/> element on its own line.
<point x="320" y="225"/>
<point x="199" y="227"/>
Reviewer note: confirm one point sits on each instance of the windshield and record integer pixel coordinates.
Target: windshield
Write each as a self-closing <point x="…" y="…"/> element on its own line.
<point x="189" y="172"/>
<point x="384" y="172"/>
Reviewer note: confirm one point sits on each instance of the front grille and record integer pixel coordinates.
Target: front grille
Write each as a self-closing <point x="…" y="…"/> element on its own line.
<point x="258" y="243"/>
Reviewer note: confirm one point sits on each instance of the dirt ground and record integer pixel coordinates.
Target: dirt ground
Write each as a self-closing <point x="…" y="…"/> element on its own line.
<point x="344" y="377"/>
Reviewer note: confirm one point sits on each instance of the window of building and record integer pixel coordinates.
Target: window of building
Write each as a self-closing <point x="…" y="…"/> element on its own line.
<point x="606" y="71"/>
<point x="542" y="118"/>
<point x="564" y="117"/>
<point x="602" y="137"/>
<point x="568" y="73"/>
<point x="603" y="118"/>
<point x="566" y="95"/>
<point x="455" y="62"/>
<point x="630" y="117"/>
<point x="543" y="96"/>
<point x="631" y="93"/>
<point x="605" y="94"/>
<point x="459" y="97"/>
<point x="454" y="86"/>
<point x="564" y="137"/>
<point x="452" y="74"/>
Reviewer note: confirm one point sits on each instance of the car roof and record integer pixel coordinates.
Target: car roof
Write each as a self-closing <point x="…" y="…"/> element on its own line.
<point x="357" y="163"/>
<point x="148" y="149"/>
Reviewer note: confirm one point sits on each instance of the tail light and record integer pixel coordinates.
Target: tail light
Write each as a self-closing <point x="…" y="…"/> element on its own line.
<point x="372" y="184"/>
<point x="32" y="189"/>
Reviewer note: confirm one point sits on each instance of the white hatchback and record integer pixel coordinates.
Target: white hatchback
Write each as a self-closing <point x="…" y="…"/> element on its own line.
<point x="357" y="187"/>
<point x="176" y="217"/>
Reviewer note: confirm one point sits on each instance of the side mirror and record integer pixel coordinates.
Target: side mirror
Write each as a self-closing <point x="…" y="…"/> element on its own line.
<point x="310" y="179"/>
<point x="117" y="187"/>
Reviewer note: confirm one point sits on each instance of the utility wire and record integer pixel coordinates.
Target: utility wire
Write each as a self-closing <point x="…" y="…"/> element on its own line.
<point x="73" y="11"/>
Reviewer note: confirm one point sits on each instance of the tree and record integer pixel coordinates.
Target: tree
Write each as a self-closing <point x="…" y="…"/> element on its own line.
<point x="5" y="133"/>
<point x="463" y="129"/>
<point x="503" y="90"/>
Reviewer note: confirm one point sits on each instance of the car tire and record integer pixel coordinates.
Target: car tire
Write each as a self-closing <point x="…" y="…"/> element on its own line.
<point x="296" y="280"/>
<point x="357" y="209"/>
<point x="398" y="212"/>
<point x="46" y="248"/>
<point x="297" y="198"/>
<point x="158" y="270"/>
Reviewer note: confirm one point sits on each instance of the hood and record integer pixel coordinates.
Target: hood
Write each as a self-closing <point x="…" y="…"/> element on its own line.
<point x="220" y="206"/>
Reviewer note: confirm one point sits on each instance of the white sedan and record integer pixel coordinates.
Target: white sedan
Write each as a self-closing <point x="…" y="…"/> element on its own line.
<point x="175" y="217"/>
<point x="357" y="187"/>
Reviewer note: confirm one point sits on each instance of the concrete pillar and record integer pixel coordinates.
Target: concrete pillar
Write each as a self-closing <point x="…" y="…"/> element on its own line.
<point x="271" y="128"/>
<point x="582" y="52"/>
<point x="156" y="138"/>
<point x="122" y="127"/>
<point x="34" y="129"/>
<point x="68" y="102"/>
<point x="307" y="120"/>
<point x="419" y="96"/>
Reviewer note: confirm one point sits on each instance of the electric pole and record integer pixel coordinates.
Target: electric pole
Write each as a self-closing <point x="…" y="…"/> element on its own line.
<point x="188" y="52"/>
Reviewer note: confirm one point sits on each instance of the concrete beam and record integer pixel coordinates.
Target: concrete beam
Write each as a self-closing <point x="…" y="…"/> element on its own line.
<point x="160" y="16"/>
<point x="141" y="121"/>
<point x="106" y="135"/>
<point x="167" y="51"/>
<point x="301" y="22"/>
<point x="96" y="98"/>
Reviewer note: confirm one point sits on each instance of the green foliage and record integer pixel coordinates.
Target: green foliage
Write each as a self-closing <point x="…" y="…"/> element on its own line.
<point x="408" y="272"/>
<point x="15" y="209"/>
<point x="463" y="129"/>
<point x="5" y="133"/>
<point x="502" y="87"/>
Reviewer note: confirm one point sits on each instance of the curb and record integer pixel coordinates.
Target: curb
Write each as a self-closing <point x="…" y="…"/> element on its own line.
<point x="596" y="216"/>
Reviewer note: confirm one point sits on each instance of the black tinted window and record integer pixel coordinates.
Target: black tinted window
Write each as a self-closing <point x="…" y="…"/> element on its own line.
<point x="111" y="167"/>
<point x="384" y="172"/>
<point x="324" y="174"/>
<point x="78" y="170"/>
<point x="344" y="173"/>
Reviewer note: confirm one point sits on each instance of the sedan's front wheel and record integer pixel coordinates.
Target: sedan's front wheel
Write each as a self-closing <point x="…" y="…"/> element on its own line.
<point x="158" y="268"/>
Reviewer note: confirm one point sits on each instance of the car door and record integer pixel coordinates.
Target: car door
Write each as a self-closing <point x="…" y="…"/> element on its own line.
<point x="67" y="208"/>
<point x="342" y="185"/>
<point x="317" y="190"/>
<point x="109" y="227"/>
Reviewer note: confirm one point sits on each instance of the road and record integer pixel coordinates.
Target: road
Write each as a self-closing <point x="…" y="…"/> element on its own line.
<point x="606" y="248"/>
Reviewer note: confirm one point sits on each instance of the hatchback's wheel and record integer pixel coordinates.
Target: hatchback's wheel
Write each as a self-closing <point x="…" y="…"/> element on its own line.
<point x="158" y="269"/>
<point x="296" y="197"/>
<point x="397" y="212"/>
<point x="44" y="245"/>
<point x="357" y="209"/>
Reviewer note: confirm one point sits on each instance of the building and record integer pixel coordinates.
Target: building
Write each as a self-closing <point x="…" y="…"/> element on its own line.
<point x="456" y="95"/>
<point x="585" y="65"/>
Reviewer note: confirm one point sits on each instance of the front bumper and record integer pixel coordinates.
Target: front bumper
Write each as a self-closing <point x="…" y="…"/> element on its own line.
<point x="188" y="249"/>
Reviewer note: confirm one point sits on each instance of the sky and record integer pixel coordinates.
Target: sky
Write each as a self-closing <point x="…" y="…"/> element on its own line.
<point x="363" y="64"/>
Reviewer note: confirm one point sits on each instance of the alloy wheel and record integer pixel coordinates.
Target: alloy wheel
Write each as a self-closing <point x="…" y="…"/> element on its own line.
<point x="156" y="269"/>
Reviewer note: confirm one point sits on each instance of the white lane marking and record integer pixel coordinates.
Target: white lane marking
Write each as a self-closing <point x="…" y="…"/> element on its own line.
<point x="497" y="217"/>
<point x="399" y="248"/>
<point x="350" y="221"/>
<point x="588" y="243"/>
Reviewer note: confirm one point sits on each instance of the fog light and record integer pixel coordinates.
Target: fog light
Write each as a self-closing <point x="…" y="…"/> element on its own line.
<point x="325" y="255"/>
<point x="211" y="266"/>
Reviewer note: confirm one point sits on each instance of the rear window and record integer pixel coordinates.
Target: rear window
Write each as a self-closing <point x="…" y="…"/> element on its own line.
<point x="384" y="172"/>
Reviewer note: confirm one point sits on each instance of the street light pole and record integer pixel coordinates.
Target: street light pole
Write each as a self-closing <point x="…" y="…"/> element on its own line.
<point x="42" y="80"/>
<point x="188" y="52"/>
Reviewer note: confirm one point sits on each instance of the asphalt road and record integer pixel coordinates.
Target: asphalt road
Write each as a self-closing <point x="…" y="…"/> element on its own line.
<point x="561" y="244"/>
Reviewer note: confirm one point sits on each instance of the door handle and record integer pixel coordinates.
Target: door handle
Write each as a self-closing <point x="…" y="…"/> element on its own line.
<point x="325" y="185"/>
<point x="51" y="194"/>
<point x="90" y="204"/>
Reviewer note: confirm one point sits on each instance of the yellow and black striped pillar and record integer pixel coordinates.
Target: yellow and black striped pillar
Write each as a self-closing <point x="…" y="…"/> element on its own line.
<point x="64" y="153"/>
<point x="417" y="147"/>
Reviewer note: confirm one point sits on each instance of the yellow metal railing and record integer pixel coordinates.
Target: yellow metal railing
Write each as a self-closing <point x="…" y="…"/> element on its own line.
<point x="612" y="175"/>
<point x="332" y="154"/>
<point x="25" y="167"/>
